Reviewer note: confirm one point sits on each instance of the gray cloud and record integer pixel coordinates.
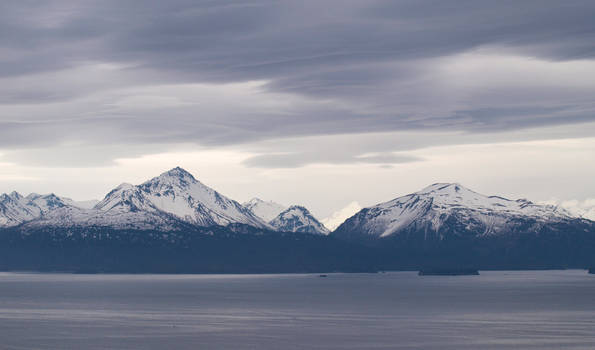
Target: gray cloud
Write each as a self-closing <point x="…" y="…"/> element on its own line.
<point x="328" y="67"/>
<point x="389" y="148"/>
<point x="295" y="160"/>
<point x="235" y="40"/>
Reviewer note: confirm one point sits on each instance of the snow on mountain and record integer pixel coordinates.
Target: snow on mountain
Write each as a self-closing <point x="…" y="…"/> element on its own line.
<point x="338" y="217"/>
<point x="120" y="219"/>
<point x="124" y="217"/>
<point x="267" y="210"/>
<point x="579" y="208"/>
<point x="449" y="207"/>
<point x="178" y="194"/>
<point x="589" y="214"/>
<point x="298" y="219"/>
<point x="88" y="204"/>
<point x="16" y="209"/>
<point x="173" y="200"/>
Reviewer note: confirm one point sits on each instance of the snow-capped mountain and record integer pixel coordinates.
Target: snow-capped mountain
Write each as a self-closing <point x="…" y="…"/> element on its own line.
<point x="298" y="219"/>
<point x="175" y="215"/>
<point x="16" y="209"/>
<point x="266" y="210"/>
<point x="173" y="200"/>
<point x="449" y="208"/>
<point x="176" y="200"/>
<point x="53" y="211"/>
<point x="293" y="219"/>
<point x="178" y="194"/>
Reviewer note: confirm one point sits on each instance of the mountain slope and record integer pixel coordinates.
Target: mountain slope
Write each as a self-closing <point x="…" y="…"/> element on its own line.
<point x="173" y="200"/>
<point x="178" y="194"/>
<point x="16" y="209"/>
<point x="267" y="210"/>
<point x="449" y="209"/>
<point x="298" y="219"/>
<point x="338" y="217"/>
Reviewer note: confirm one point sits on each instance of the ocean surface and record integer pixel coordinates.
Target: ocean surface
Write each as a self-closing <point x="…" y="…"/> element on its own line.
<point x="394" y="310"/>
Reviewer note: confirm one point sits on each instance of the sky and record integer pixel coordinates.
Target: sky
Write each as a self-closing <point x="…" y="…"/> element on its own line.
<point x="334" y="105"/>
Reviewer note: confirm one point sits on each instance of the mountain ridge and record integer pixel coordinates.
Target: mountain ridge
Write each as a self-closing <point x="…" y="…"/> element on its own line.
<point x="168" y="201"/>
<point x="267" y="210"/>
<point x="176" y="198"/>
<point x="298" y="219"/>
<point x="438" y="205"/>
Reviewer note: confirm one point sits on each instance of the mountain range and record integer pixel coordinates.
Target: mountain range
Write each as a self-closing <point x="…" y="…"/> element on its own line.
<point x="171" y="201"/>
<point x="197" y="229"/>
<point x="444" y="209"/>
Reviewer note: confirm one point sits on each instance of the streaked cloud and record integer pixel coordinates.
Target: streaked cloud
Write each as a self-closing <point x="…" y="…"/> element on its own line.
<point x="381" y="88"/>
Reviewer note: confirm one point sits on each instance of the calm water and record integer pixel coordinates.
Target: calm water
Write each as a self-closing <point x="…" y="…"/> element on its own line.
<point x="497" y="310"/>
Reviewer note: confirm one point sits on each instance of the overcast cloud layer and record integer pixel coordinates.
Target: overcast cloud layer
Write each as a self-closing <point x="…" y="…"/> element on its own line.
<point x="85" y="83"/>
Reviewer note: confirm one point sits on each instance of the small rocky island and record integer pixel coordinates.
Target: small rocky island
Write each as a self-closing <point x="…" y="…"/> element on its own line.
<point x="448" y="272"/>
